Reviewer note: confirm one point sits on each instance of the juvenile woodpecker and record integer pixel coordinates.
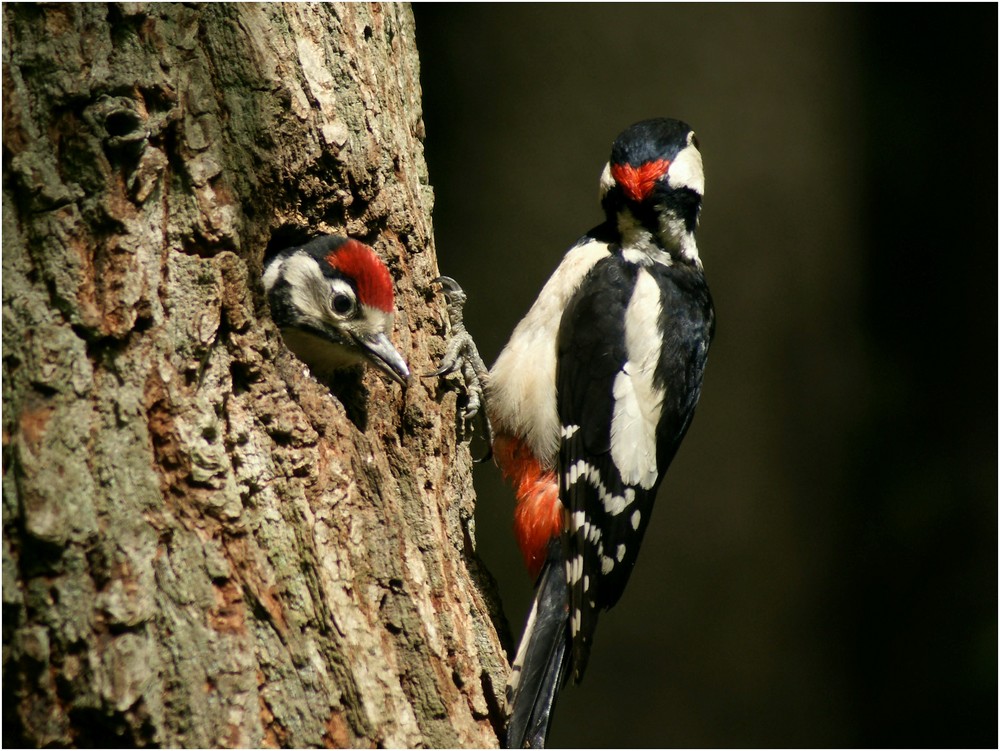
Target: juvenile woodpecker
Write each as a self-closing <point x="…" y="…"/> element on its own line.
<point x="332" y="299"/>
<point x="590" y="399"/>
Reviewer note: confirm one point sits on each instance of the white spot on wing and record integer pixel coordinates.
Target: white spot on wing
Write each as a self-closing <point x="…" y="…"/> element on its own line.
<point x="620" y="553"/>
<point x="606" y="564"/>
<point x="574" y="570"/>
<point x="636" y="518"/>
<point x="613" y="504"/>
<point x="594" y="534"/>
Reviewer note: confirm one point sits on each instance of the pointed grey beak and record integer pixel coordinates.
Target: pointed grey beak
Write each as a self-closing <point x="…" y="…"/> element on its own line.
<point x="385" y="357"/>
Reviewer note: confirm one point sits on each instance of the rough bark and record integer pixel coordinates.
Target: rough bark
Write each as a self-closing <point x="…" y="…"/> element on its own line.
<point x="201" y="547"/>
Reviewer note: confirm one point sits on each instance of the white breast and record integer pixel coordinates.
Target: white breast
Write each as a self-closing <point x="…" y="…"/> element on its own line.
<point x="522" y="387"/>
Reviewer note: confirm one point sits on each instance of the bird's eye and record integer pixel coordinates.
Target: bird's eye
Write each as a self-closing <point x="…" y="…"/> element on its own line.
<point x="341" y="303"/>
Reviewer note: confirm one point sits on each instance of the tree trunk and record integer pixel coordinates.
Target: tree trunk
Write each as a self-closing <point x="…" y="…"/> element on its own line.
<point x="202" y="547"/>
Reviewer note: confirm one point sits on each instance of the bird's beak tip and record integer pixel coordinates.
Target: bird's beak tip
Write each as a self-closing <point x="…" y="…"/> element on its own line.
<point x="384" y="356"/>
<point x="401" y="377"/>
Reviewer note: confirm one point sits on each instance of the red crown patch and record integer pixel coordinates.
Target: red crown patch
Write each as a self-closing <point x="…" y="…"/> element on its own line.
<point x="371" y="277"/>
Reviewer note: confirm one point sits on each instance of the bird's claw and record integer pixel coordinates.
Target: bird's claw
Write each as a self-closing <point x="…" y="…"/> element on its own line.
<point x="462" y="357"/>
<point x="453" y="291"/>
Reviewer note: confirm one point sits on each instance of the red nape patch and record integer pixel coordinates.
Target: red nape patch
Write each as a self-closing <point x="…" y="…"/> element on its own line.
<point x="538" y="515"/>
<point x="637" y="182"/>
<point x="371" y="277"/>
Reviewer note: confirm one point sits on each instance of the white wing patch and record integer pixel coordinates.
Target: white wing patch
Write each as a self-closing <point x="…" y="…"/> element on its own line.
<point x="638" y="402"/>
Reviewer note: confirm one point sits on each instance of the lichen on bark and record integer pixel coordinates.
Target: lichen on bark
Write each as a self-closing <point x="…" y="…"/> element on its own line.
<point x="200" y="547"/>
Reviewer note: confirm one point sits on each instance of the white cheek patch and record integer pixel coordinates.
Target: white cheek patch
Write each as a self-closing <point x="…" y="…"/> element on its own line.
<point x="309" y="286"/>
<point x="686" y="170"/>
<point x="607" y="181"/>
<point x="272" y="274"/>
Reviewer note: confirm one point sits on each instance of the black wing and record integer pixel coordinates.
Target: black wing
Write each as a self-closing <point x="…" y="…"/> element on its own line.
<point x="607" y="517"/>
<point x="591" y="348"/>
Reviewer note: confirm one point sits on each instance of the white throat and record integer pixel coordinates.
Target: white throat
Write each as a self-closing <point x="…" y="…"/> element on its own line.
<point x="671" y="240"/>
<point x="674" y="235"/>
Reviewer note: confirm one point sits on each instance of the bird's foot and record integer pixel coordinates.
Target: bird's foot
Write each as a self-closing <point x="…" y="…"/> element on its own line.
<point x="461" y="356"/>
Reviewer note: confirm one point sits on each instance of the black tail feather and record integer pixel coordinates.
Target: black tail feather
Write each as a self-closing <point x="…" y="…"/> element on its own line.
<point x="540" y="666"/>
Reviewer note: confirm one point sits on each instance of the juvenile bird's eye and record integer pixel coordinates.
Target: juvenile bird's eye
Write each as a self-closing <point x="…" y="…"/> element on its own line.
<point x="342" y="303"/>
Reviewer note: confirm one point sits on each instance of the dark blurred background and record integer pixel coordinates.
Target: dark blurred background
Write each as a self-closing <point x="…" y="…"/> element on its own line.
<point x="821" y="569"/>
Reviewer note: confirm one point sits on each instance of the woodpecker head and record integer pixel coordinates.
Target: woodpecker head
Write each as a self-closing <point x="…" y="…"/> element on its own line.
<point x="653" y="185"/>
<point x="332" y="299"/>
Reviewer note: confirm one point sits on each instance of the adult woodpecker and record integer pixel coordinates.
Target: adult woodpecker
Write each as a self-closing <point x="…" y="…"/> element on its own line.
<point x="332" y="299"/>
<point x="589" y="401"/>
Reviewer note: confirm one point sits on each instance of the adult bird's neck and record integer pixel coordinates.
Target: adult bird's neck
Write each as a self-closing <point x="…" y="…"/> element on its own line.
<point x="658" y="238"/>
